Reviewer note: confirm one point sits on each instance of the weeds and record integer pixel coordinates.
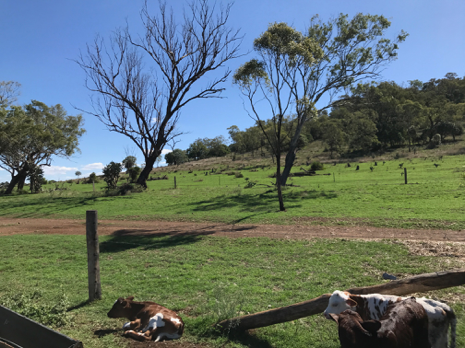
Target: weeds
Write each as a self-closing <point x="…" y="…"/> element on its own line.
<point x="33" y="306"/>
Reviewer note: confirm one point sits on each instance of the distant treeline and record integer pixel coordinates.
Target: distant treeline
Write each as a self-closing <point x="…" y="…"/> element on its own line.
<point x="373" y="116"/>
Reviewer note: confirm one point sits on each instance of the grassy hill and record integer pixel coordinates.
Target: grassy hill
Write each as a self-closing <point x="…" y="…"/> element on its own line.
<point x="242" y="191"/>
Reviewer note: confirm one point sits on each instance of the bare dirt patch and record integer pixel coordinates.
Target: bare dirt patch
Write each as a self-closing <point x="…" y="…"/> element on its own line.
<point x="11" y="226"/>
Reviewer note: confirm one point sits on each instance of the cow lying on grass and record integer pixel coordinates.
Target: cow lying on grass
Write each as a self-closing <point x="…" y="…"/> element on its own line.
<point x="373" y="306"/>
<point x="403" y="325"/>
<point x="149" y="320"/>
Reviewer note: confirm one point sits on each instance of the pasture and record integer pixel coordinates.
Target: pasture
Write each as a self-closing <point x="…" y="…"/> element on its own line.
<point x="205" y="279"/>
<point x="433" y="198"/>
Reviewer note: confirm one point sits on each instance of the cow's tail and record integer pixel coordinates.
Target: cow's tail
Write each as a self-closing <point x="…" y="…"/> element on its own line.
<point x="453" y="325"/>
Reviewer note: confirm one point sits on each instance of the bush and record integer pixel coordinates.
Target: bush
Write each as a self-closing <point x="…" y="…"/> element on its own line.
<point x="317" y="165"/>
<point x="238" y="175"/>
<point x="111" y="174"/>
<point x="133" y="173"/>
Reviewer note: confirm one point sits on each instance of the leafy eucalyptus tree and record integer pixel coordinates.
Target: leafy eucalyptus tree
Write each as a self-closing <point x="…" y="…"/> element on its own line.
<point x="31" y="135"/>
<point x="302" y="73"/>
<point x="142" y="82"/>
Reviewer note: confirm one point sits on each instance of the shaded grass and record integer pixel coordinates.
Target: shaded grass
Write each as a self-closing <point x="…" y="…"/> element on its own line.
<point x="206" y="279"/>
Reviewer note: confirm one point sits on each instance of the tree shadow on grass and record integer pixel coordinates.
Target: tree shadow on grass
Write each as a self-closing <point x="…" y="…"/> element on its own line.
<point x="145" y="239"/>
<point x="40" y="206"/>
<point x="264" y="202"/>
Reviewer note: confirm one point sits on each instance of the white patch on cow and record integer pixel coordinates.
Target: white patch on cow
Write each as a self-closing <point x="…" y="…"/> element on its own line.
<point x="127" y="325"/>
<point x="176" y="321"/>
<point x="167" y="335"/>
<point x="154" y="322"/>
<point x="438" y="322"/>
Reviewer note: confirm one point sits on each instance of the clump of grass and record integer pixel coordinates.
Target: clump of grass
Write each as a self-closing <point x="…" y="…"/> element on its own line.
<point x="33" y="306"/>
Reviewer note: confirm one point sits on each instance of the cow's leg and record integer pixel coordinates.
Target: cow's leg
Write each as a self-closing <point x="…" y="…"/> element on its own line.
<point x="136" y="335"/>
<point x="132" y="325"/>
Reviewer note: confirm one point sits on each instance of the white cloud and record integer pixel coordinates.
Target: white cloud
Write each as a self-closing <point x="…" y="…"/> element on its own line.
<point x="93" y="166"/>
<point x="165" y="151"/>
<point x="57" y="170"/>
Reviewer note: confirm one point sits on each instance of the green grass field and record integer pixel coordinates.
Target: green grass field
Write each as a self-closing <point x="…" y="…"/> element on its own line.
<point x="207" y="279"/>
<point x="204" y="278"/>
<point x="433" y="198"/>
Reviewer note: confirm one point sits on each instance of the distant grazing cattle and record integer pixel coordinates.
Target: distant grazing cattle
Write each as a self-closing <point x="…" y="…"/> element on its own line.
<point x="403" y="325"/>
<point x="149" y="320"/>
<point x="373" y="306"/>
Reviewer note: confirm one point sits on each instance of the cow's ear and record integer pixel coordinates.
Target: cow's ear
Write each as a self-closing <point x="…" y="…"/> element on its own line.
<point x="371" y="326"/>
<point x="130" y="298"/>
<point x="351" y="303"/>
<point x="334" y="317"/>
<point x="120" y="300"/>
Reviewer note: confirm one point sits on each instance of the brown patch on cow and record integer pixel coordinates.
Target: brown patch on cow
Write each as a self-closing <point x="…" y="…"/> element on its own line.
<point x="362" y="308"/>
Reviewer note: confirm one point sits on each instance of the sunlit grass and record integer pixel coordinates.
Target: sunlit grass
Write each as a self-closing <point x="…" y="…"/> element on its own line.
<point x="205" y="279"/>
<point x="433" y="198"/>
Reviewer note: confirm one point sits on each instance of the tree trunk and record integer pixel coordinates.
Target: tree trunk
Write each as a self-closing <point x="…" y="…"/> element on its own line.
<point x="291" y="153"/>
<point x="17" y="179"/>
<point x="278" y="182"/>
<point x="290" y="158"/>
<point x="149" y="162"/>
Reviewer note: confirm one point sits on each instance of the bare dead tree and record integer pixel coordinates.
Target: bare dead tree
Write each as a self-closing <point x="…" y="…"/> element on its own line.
<point x="145" y="104"/>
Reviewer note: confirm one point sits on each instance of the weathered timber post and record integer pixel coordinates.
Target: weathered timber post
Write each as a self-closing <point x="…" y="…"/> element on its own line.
<point x="406" y="286"/>
<point x="174" y="182"/>
<point x="93" y="265"/>
<point x="405" y="175"/>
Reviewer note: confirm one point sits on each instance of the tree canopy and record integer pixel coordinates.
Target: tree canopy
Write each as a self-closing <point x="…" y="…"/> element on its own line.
<point x="31" y="135"/>
<point x="295" y="70"/>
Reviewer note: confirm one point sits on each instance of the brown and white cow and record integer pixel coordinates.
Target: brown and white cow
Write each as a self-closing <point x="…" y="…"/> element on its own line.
<point x="373" y="306"/>
<point x="403" y="325"/>
<point x="149" y="320"/>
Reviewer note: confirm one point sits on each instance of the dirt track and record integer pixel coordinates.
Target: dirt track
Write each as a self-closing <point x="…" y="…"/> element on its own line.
<point x="9" y="226"/>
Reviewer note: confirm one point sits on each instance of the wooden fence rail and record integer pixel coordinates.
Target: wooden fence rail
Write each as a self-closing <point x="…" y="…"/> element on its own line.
<point x="419" y="283"/>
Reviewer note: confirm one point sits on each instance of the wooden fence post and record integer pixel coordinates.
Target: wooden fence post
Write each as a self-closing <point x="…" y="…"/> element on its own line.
<point x="405" y="175"/>
<point x="174" y="182"/>
<point x="93" y="265"/>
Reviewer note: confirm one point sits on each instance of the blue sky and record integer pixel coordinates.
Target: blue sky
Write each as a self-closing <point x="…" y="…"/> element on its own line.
<point x="40" y="40"/>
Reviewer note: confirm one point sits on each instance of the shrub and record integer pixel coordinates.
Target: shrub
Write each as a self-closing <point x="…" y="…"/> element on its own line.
<point x="133" y="173"/>
<point x="111" y="174"/>
<point x="129" y="188"/>
<point x="238" y="175"/>
<point x="317" y="165"/>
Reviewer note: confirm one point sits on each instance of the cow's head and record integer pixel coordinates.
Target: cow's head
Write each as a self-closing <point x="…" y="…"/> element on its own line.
<point x="338" y="303"/>
<point x="119" y="308"/>
<point x="353" y="331"/>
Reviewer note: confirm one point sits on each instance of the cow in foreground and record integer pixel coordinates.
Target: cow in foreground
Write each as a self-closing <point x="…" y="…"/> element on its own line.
<point x="149" y="320"/>
<point x="403" y="325"/>
<point x="373" y="306"/>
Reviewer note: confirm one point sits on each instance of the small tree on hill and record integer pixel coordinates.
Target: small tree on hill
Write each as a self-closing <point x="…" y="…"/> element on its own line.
<point x="129" y="162"/>
<point x="111" y="174"/>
